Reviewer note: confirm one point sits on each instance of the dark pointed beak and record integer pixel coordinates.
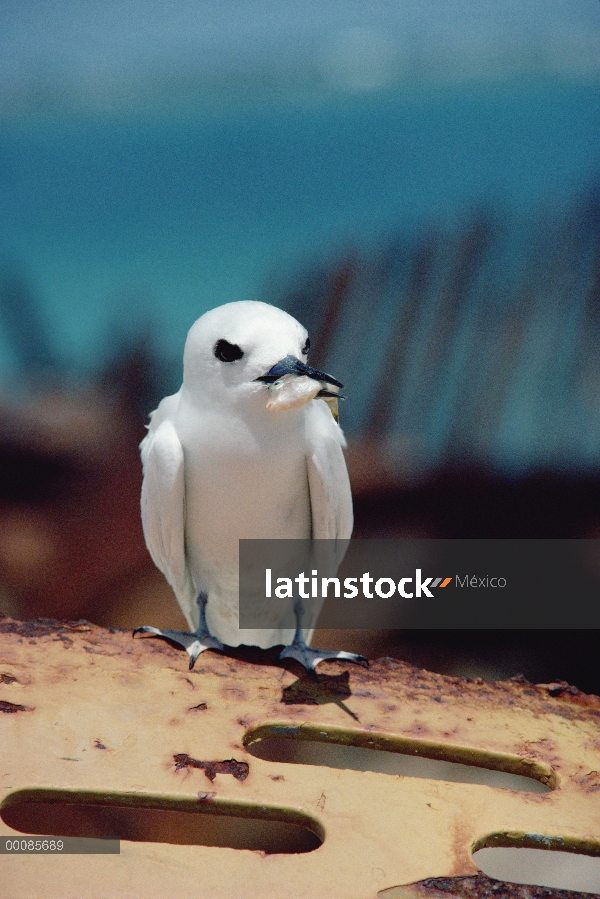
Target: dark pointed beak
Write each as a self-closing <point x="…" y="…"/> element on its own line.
<point x="292" y="366"/>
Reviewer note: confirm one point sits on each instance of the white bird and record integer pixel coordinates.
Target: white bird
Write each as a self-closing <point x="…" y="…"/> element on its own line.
<point x="246" y="449"/>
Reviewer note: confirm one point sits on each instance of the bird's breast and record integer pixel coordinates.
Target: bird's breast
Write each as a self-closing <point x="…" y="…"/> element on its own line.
<point x="241" y="483"/>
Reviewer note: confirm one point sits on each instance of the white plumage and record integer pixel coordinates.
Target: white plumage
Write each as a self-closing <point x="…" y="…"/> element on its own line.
<point x="245" y="449"/>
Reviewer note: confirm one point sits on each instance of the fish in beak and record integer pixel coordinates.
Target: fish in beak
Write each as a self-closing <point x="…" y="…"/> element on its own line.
<point x="292" y="384"/>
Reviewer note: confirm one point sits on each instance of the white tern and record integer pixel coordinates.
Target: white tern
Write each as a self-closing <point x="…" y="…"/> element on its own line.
<point x="247" y="448"/>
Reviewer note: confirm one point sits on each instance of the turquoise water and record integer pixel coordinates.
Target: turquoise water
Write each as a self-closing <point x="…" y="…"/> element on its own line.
<point x="120" y="221"/>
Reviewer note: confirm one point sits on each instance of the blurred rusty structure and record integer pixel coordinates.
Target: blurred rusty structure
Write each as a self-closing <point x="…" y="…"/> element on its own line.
<point x="474" y="344"/>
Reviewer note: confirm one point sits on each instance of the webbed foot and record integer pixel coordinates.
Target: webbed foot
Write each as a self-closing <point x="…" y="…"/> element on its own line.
<point x="193" y="643"/>
<point x="309" y="658"/>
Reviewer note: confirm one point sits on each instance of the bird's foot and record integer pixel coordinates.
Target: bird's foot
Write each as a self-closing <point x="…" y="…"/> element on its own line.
<point x="193" y="644"/>
<point x="309" y="658"/>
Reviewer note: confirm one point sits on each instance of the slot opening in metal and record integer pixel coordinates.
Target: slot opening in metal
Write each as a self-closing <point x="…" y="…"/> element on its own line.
<point x="152" y="819"/>
<point x="536" y="859"/>
<point x="399" y="756"/>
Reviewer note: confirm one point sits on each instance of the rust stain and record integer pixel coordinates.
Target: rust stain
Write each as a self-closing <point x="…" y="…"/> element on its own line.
<point x="461" y="841"/>
<point x="10" y="707"/>
<point x="538" y="798"/>
<point x="406" y="681"/>
<point x="43" y="627"/>
<point x="419" y="685"/>
<point x="569" y="693"/>
<point x="478" y="887"/>
<point x="65" y="640"/>
<point x="239" y="770"/>
<point x="590" y="781"/>
<point x="418" y="730"/>
<point x="233" y="692"/>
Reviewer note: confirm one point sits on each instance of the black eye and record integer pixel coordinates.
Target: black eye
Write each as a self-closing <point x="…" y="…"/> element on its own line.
<point x="306" y="347"/>
<point x="227" y="352"/>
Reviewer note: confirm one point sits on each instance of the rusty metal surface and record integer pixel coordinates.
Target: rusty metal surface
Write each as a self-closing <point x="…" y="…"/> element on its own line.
<point x="92" y="714"/>
<point x="477" y="887"/>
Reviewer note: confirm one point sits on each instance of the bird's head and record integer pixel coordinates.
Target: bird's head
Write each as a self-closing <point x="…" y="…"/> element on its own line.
<point x="251" y="349"/>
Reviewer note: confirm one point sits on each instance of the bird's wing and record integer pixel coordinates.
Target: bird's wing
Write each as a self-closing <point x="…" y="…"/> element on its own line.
<point x="330" y="499"/>
<point x="163" y="505"/>
<point x="329" y="484"/>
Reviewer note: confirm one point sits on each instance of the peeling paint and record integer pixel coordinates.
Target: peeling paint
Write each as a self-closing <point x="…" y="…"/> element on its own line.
<point x="10" y="707"/>
<point x="476" y="887"/>
<point x="239" y="770"/>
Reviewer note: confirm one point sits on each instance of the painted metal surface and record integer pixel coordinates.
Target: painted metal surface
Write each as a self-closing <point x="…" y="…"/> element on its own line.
<point x="126" y="735"/>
